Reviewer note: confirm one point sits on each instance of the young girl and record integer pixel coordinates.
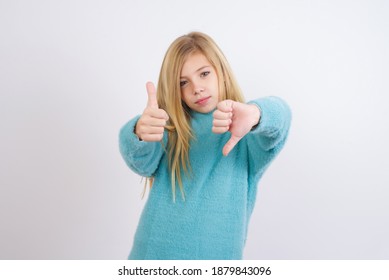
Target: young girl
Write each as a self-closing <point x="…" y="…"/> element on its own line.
<point x="197" y="134"/>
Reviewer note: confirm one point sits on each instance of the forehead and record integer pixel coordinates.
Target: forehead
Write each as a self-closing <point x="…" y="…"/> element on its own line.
<point x="194" y="62"/>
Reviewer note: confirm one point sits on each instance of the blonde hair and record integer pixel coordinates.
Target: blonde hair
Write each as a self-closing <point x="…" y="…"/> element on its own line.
<point x="169" y="96"/>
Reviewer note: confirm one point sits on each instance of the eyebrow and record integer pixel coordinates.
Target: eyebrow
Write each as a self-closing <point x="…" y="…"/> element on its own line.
<point x="198" y="70"/>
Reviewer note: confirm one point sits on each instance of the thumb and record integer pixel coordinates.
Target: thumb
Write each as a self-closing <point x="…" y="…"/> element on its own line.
<point x="230" y="144"/>
<point x="152" y="95"/>
<point x="226" y="105"/>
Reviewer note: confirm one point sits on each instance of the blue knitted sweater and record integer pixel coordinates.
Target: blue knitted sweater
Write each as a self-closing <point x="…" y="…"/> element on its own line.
<point x="220" y="192"/>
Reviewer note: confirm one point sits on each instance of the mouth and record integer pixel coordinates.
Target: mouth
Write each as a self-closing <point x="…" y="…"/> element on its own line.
<point x="202" y="101"/>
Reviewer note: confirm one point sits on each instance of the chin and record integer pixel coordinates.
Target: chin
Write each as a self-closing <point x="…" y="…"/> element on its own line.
<point x="206" y="110"/>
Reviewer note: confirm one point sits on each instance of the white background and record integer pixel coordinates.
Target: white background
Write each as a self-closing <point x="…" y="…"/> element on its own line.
<point x="73" y="72"/>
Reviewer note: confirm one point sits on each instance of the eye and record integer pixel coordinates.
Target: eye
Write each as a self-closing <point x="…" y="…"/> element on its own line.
<point x="204" y="74"/>
<point x="183" y="83"/>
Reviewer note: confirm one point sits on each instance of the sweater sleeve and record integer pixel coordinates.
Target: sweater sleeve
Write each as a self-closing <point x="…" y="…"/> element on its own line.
<point x="142" y="157"/>
<point x="268" y="138"/>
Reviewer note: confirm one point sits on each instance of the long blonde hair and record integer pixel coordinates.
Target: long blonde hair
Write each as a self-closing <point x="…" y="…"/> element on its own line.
<point x="169" y="96"/>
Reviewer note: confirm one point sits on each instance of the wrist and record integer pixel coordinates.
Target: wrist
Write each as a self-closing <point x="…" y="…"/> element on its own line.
<point x="256" y="115"/>
<point x="136" y="134"/>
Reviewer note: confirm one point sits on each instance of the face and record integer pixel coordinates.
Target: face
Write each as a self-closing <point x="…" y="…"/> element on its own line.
<point x="199" y="84"/>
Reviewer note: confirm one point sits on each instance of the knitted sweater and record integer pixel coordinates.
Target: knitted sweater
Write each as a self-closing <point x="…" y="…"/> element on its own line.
<point x="220" y="191"/>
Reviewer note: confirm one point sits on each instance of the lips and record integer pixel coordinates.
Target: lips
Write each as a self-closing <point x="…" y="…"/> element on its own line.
<point x="202" y="101"/>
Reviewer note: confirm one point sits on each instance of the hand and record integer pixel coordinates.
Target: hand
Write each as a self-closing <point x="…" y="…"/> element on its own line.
<point x="235" y="117"/>
<point x="150" y="126"/>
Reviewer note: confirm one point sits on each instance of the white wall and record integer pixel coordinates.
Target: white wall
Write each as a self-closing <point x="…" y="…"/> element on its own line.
<point x="73" y="72"/>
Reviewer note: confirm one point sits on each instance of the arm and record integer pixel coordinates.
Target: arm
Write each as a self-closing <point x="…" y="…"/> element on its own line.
<point x="274" y="122"/>
<point x="269" y="118"/>
<point x="141" y="156"/>
<point x="267" y="139"/>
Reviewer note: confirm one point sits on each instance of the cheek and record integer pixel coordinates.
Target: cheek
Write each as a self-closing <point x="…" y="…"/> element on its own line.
<point x="214" y="81"/>
<point x="215" y="85"/>
<point x="184" y="95"/>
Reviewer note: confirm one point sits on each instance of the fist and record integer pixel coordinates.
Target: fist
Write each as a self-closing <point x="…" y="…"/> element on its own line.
<point x="235" y="117"/>
<point x="151" y="125"/>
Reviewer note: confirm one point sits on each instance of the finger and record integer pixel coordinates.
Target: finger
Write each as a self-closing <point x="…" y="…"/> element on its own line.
<point x="222" y="115"/>
<point x="152" y="130"/>
<point x="221" y="123"/>
<point x="220" y="130"/>
<point x="230" y="144"/>
<point x="150" y="121"/>
<point x="158" y="122"/>
<point x="225" y="106"/>
<point x="143" y="130"/>
<point x="152" y="96"/>
<point x="152" y="137"/>
<point x="157" y="113"/>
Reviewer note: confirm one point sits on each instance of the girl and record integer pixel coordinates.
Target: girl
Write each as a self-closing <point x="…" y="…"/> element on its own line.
<point x="198" y="134"/>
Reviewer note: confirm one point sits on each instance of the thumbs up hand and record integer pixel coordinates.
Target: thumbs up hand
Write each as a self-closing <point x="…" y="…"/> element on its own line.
<point x="235" y="117"/>
<point x="150" y="126"/>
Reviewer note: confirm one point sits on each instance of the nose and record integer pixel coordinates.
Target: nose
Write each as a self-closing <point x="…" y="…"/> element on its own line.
<point x="198" y="90"/>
